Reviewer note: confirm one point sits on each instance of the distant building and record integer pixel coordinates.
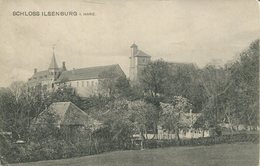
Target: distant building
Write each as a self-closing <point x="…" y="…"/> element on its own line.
<point x="138" y="61"/>
<point x="47" y="78"/>
<point x="84" y="80"/>
<point x="68" y="117"/>
<point x="66" y="114"/>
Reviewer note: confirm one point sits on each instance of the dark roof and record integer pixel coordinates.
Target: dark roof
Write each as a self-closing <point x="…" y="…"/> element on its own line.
<point x="188" y="67"/>
<point x="175" y="64"/>
<point x="88" y="73"/>
<point x="140" y="53"/>
<point x="39" y="76"/>
<point x="67" y="114"/>
<point x="133" y="45"/>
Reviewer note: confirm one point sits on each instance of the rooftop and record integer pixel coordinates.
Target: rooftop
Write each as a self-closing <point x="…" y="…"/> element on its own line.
<point x="89" y="73"/>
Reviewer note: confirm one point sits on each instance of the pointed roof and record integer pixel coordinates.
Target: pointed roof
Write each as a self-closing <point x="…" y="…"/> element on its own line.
<point x="53" y="64"/>
<point x="133" y="45"/>
<point x="140" y="53"/>
<point x="67" y="113"/>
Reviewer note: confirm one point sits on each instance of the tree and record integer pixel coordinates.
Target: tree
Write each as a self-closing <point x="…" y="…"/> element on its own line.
<point x="171" y="114"/>
<point x="145" y="116"/>
<point x="155" y="78"/>
<point x="113" y="84"/>
<point x="215" y="81"/>
<point x="64" y="93"/>
<point x="243" y="96"/>
<point x="117" y="125"/>
<point x="14" y="109"/>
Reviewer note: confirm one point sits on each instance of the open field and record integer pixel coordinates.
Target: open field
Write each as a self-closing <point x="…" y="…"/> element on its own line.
<point x="241" y="154"/>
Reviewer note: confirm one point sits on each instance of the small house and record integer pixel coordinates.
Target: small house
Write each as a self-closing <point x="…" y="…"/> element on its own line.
<point x="68" y="117"/>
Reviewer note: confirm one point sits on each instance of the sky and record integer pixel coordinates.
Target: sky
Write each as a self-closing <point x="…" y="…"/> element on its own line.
<point x="192" y="31"/>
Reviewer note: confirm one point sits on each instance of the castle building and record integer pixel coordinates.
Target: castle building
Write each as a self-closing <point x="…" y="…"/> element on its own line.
<point x="138" y="60"/>
<point x="85" y="81"/>
<point x="47" y="78"/>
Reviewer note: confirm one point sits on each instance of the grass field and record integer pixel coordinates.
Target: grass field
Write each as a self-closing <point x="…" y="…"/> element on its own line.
<point x="243" y="154"/>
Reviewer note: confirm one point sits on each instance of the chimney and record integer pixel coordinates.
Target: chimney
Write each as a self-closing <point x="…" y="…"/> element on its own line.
<point x="35" y="70"/>
<point x="63" y="66"/>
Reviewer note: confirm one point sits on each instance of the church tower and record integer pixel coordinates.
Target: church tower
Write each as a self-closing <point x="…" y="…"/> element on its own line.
<point x="138" y="61"/>
<point x="53" y="69"/>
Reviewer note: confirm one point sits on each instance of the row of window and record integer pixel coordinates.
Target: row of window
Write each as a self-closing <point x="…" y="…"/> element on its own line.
<point x="86" y="83"/>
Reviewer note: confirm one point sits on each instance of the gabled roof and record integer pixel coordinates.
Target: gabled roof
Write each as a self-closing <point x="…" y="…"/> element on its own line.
<point x="133" y="45"/>
<point x="189" y="119"/>
<point x="186" y="120"/>
<point x="68" y="114"/>
<point x="140" y="53"/>
<point x="39" y="76"/>
<point x="88" y="73"/>
<point x="53" y="64"/>
<point x="175" y="65"/>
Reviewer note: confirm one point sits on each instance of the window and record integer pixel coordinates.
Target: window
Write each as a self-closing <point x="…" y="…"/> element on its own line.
<point x="77" y="84"/>
<point x="92" y="83"/>
<point x="87" y="83"/>
<point x="82" y="83"/>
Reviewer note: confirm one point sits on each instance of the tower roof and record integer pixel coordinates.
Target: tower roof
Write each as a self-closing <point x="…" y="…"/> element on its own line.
<point x="133" y="45"/>
<point x="53" y="64"/>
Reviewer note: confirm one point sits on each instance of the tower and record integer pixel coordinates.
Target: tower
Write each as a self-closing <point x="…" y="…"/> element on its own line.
<point x="53" y="69"/>
<point x="138" y="61"/>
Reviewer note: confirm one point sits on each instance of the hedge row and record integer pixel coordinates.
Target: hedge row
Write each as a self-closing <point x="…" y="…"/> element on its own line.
<point x="53" y="149"/>
<point x="254" y="138"/>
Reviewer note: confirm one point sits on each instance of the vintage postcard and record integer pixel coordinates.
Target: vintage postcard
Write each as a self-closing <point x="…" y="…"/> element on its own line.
<point x="129" y="82"/>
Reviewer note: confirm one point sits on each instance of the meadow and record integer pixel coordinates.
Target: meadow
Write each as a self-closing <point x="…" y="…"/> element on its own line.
<point x="239" y="154"/>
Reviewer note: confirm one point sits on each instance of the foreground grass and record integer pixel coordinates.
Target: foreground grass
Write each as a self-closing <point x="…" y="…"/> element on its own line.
<point x="243" y="154"/>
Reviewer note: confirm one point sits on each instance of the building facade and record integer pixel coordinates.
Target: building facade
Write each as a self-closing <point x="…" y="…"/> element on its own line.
<point x="47" y="78"/>
<point x="85" y="81"/>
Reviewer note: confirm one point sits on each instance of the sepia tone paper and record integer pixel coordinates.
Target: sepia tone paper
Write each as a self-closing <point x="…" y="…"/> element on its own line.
<point x="91" y="33"/>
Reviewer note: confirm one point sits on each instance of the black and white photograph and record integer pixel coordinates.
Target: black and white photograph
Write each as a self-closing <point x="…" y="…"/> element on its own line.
<point x="129" y="82"/>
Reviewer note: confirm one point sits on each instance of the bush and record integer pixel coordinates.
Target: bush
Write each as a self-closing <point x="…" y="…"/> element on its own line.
<point x="254" y="138"/>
